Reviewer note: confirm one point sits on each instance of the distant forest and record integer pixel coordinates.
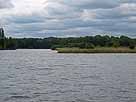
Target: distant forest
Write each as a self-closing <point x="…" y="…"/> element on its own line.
<point x="53" y="42"/>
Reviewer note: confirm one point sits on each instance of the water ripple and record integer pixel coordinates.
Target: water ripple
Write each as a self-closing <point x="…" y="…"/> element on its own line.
<point x="46" y="76"/>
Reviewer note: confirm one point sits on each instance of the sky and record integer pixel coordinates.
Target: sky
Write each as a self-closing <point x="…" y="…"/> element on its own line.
<point x="68" y="18"/>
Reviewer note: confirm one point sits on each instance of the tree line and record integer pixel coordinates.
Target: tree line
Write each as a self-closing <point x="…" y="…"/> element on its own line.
<point x="54" y="42"/>
<point x="80" y="42"/>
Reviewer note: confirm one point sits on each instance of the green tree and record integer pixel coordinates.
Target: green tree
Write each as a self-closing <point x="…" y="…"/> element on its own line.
<point x="124" y="41"/>
<point x="132" y="44"/>
<point x="10" y="43"/>
<point x="2" y="38"/>
<point x="115" y="41"/>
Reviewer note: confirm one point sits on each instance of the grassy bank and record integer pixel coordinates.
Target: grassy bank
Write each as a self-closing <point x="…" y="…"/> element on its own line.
<point x="97" y="50"/>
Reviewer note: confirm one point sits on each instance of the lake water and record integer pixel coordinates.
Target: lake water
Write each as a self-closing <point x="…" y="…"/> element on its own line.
<point x="46" y="76"/>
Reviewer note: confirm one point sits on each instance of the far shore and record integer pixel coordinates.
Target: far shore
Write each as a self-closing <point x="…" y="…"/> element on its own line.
<point x="97" y="50"/>
<point x="7" y="49"/>
<point x="94" y="50"/>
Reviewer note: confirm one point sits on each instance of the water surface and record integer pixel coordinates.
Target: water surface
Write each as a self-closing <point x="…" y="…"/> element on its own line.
<point x="46" y="76"/>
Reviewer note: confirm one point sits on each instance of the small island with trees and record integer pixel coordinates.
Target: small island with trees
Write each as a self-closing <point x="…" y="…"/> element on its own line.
<point x="87" y="44"/>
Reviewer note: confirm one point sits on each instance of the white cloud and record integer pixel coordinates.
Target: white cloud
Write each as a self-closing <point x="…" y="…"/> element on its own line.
<point x="88" y="15"/>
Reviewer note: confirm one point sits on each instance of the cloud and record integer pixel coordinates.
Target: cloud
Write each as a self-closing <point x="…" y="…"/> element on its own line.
<point x="89" y="4"/>
<point x="5" y="4"/>
<point x="43" y="18"/>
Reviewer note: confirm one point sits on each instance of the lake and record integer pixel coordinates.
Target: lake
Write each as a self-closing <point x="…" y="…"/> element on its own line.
<point x="47" y="76"/>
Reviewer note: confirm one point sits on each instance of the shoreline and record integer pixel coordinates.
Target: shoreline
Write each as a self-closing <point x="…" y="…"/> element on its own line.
<point x="8" y="49"/>
<point x="96" y="50"/>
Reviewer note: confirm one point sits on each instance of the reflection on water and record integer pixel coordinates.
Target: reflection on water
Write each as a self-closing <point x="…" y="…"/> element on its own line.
<point x="46" y="76"/>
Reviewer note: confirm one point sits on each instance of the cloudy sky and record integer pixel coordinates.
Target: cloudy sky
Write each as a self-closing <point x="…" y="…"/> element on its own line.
<point x="67" y="18"/>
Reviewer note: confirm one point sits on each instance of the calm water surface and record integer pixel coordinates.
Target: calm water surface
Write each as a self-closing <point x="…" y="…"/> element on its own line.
<point x="46" y="76"/>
